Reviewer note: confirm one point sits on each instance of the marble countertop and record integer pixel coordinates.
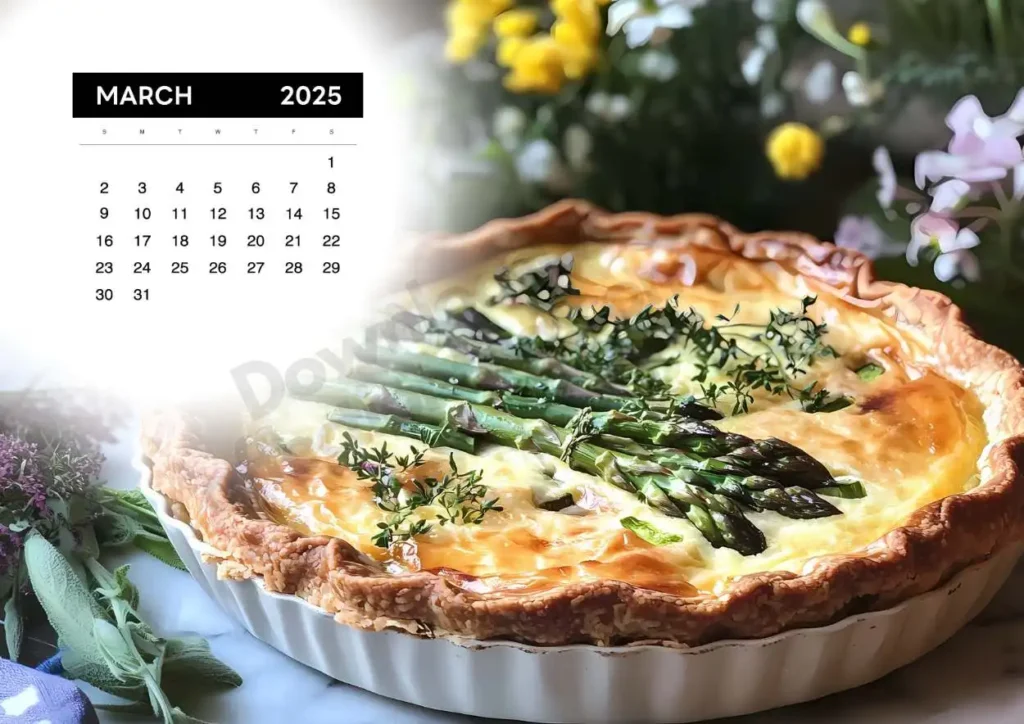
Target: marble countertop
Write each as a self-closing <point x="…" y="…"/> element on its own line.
<point x="977" y="676"/>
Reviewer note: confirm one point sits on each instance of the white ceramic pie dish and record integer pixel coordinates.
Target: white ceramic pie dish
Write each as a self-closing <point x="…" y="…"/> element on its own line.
<point x="642" y="683"/>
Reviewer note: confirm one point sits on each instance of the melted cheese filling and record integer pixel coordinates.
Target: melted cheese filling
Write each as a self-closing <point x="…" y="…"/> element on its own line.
<point x="912" y="437"/>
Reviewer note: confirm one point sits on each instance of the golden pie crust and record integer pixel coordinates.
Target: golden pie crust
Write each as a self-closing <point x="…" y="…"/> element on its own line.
<point x="190" y="468"/>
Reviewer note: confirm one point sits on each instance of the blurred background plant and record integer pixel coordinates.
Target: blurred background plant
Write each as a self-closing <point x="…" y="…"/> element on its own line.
<point x="769" y="113"/>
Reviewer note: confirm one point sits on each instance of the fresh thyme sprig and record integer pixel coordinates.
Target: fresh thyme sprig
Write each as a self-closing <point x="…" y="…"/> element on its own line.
<point x="541" y="287"/>
<point x="461" y="495"/>
<point x="769" y="356"/>
<point x="784" y="349"/>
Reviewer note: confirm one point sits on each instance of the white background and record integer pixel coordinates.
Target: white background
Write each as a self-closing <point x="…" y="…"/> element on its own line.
<point x="158" y="352"/>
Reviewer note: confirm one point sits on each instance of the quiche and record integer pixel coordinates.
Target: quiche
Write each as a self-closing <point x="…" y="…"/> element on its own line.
<point x="582" y="427"/>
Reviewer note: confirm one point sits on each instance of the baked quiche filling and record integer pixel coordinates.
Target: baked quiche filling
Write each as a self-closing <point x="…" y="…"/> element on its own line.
<point x="671" y="418"/>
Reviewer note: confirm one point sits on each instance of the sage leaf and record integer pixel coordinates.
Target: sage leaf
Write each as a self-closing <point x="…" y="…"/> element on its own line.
<point x="116" y="529"/>
<point x="117" y="653"/>
<point x="68" y="604"/>
<point x="14" y="625"/>
<point x="648" y="532"/>
<point x="88" y="546"/>
<point x="180" y="717"/>
<point x="189" y="665"/>
<point x="97" y="674"/>
<point x="125" y="588"/>
<point x="161" y="550"/>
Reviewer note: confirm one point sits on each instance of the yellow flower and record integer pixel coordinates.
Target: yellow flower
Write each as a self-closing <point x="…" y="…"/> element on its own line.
<point x="577" y="30"/>
<point x="579" y="53"/>
<point x="795" y="151"/>
<point x="468" y="22"/>
<point x="536" y="66"/>
<point x="507" y="51"/>
<point x="463" y="45"/>
<point x="515" y="23"/>
<point x="859" y="34"/>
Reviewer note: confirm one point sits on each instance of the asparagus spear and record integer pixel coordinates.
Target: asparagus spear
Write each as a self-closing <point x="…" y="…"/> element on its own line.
<point x="541" y="366"/>
<point x="443" y="332"/>
<point x="494" y="377"/>
<point x="760" y="493"/>
<point x="733" y="453"/>
<point x="423" y="385"/>
<point x="719" y="519"/>
<point x="743" y="469"/>
<point x="394" y="425"/>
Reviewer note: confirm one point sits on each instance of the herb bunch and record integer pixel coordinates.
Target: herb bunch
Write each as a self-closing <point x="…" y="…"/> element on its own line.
<point x="462" y="496"/>
<point x="55" y="518"/>
<point x="784" y="347"/>
<point x="771" y="356"/>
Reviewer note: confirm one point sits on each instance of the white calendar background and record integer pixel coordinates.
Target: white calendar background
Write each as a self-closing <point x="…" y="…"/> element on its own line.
<point x="194" y="326"/>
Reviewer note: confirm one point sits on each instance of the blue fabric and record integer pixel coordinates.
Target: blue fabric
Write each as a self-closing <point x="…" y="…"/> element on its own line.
<point x="28" y="696"/>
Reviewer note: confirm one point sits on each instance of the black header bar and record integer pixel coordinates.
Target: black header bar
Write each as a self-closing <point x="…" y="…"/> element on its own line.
<point x="218" y="95"/>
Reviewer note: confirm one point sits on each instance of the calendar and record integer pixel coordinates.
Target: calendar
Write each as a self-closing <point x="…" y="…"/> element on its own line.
<point x="191" y="186"/>
<point x="213" y="186"/>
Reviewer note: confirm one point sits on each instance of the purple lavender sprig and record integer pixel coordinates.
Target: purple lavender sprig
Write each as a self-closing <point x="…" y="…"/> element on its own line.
<point x="22" y="483"/>
<point x="50" y="460"/>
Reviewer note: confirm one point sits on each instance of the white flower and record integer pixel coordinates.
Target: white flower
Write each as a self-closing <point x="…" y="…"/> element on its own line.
<point x="960" y="263"/>
<point x="862" y="234"/>
<point x="645" y="23"/>
<point x="658" y="65"/>
<point x="538" y="163"/>
<point x="820" y="82"/>
<point x="772" y="104"/>
<point x="882" y="162"/>
<point x="949" y="196"/>
<point x="1018" y="181"/>
<point x="766" y="44"/>
<point x="609" y="107"/>
<point x="509" y="124"/>
<point x="578" y="145"/>
<point x="766" y="37"/>
<point x="753" y="64"/>
<point x="860" y="93"/>
<point x="765" y="9"/>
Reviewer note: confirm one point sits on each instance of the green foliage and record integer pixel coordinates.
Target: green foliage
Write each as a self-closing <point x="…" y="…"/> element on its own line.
<point x="105" y="641"/>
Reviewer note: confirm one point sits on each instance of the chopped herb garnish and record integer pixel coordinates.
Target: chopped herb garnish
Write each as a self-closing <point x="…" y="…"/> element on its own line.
<point x="646" y="531"/>
<point x="870" y="371"/>
<point x="542" y="287"/>
<point x="849" y="489"/>
<point x="769" y="357"/>
<point x="461" y="495"/>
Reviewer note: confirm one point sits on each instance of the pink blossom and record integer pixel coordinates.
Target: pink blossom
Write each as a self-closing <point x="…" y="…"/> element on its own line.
<point x="862" y="234"/>
<point x="982" y="148"/>
<point x="935" y="230"/>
